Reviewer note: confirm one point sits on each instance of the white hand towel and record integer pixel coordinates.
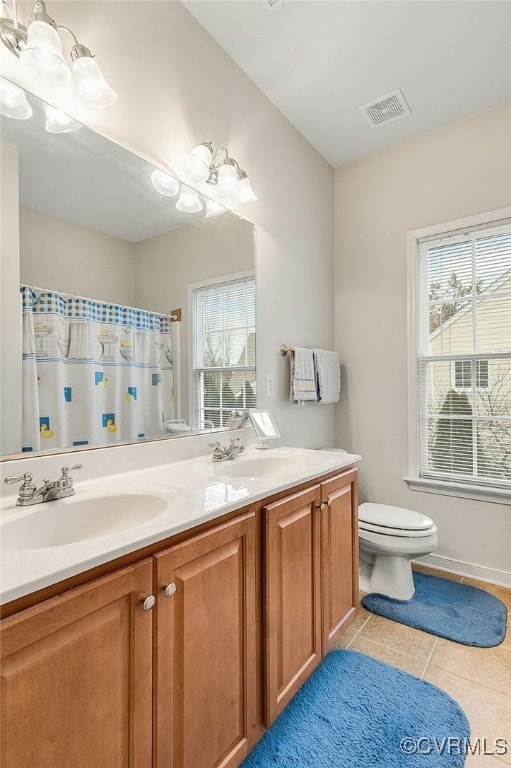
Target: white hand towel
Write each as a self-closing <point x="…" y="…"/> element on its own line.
<point x="328" y="370"/>
<point x="302" y="376"/>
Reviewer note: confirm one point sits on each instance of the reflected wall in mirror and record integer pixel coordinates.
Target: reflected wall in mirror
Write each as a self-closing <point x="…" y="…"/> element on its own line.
<point x="139" y="318"/>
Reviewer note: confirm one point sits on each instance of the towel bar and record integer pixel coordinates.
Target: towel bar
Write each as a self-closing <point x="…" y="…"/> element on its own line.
<point x="284" y="350"/>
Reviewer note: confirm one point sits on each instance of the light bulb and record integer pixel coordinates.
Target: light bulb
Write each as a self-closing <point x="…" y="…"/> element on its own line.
<point x="59" y="122"/>
<point x="164" y="183"/>
<point x="196" y="163"/>
<point x="93" y="91"/>
<point x="13" y="102"/>
<point x="42" y="57"/>
<point x="189" y="201"/>
<point x="228" y="186"/>
<point x="246" y="193"/>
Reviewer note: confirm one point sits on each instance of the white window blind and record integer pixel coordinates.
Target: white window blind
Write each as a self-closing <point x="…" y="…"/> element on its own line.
<point x="224" y="336"/>
<point x="464" y="356"/>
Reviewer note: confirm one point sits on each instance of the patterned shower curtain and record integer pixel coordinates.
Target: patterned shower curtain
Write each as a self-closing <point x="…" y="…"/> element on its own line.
<point x="93" y="372"/>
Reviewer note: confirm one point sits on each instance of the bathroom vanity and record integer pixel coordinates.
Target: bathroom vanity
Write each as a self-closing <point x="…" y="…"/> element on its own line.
<point x="181" y="650"/>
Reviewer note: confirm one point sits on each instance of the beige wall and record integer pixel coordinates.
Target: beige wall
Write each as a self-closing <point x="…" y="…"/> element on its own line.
<point x="167" y="264"/>
<point x="458" y="171"/>
<point x="68" y="257"/>
<point x="182" y="88"/>
<point x="10" y="315"/>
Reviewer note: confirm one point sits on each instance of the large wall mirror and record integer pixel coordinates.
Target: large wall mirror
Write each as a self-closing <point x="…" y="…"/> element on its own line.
<point x="137" y="307"/>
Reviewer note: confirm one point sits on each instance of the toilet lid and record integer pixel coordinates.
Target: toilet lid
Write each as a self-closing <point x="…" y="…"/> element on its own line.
<point x="379" y="517"/>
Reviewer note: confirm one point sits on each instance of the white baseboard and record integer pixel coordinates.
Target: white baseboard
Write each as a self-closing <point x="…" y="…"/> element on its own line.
<point x="461" y="568"/>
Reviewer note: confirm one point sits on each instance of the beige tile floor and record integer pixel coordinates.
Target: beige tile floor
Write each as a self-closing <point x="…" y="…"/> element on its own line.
<point x="479" y="679"/>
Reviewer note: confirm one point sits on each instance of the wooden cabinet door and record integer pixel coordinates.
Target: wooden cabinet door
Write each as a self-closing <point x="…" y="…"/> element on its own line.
<point x="291" y="596"/>
<point x="76" y="677"/>
<point x="205" y="677"/>
<point x="339" y="557"/>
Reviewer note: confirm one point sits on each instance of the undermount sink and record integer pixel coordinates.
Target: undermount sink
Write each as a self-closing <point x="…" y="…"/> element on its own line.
<point x="68" y="521"/>
<point x="262" y="466"/>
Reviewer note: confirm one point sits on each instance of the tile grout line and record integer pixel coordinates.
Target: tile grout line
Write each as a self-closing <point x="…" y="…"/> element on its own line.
<point x="474" y="682"/>
<point x="428" y="662"/>
<point x="359" y="631"/>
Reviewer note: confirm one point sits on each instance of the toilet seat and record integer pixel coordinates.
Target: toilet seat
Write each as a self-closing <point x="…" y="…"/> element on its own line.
<point x="377" y="543"/>
<point x="403" y="532"/>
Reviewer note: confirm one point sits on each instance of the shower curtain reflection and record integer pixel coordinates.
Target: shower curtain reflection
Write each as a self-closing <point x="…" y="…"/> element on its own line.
<point x="93" y="372"/>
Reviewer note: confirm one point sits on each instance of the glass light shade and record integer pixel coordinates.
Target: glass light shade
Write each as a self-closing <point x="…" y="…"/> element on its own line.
<point x="164" y="183"/>
<point x="196" y="163"/>
<point x="13" y="102"/>
<point x="213" y="208"/>
<point x="93" y="91"/>
<point x="246" y="193"/>
<point x="59" y="122"/>
<point x="228" y="186"/>
<point x="42" y="57"/>
<point x="189" y="201"/>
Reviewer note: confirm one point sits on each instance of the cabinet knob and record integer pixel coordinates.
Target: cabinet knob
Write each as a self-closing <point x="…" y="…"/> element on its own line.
<point x="149" y="603"/>
<point x="170" y="590"/>
<point x="323" y="506"/>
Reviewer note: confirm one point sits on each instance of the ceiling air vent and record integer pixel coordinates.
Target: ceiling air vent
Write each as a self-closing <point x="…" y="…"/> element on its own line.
<point x="272" y="6"/>
<point x="386" y="109"/>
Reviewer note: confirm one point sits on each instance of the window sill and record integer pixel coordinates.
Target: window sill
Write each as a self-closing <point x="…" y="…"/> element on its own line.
<point x="461" y="490"/>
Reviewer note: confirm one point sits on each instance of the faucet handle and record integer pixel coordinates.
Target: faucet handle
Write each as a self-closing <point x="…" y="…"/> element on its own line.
<point x="27" y="477"/>
<point x="65" y="471"/>
<point x="218" y="452"/>
<point x="66" y="481"/>
<point x="27" y="489"/>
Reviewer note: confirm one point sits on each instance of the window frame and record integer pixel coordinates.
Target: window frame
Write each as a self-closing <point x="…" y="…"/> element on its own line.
<point x="414" y="480"/>
<point x="235" y="277"/>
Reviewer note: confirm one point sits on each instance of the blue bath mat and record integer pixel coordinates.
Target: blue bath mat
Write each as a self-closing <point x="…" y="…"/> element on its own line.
<point x="356" y="711"/>
<point x="448" y="609"/>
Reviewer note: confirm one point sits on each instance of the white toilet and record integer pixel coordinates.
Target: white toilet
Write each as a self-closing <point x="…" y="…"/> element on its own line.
<point x="389" y="537"/>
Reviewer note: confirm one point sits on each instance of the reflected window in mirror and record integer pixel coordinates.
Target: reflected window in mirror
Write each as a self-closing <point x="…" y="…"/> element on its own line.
<point x="224" y="341"/>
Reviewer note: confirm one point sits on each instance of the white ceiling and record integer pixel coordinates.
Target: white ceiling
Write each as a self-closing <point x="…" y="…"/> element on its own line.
<point x="318" y="61"/>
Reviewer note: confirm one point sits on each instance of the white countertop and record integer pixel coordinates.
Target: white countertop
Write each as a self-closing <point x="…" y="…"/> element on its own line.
<point x="195" y="491"/>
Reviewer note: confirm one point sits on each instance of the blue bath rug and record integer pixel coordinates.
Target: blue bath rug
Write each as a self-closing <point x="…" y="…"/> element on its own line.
<point x="448" y="609"/>
<point x="356" y="711"/>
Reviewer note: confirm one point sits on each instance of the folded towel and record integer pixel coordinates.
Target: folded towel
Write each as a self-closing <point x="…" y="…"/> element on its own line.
<point x="328" y="372"/>
<point x="302" y="376"/>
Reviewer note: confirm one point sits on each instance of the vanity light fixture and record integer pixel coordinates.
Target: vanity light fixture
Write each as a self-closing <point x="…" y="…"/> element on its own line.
<point x="13" y="101"/>
<point x="59" y="122"/>
<point x="164" y="183"/>
<point x="232" y="183"/>
<point x="189" y="200"/>
<point x="39" y="48"/>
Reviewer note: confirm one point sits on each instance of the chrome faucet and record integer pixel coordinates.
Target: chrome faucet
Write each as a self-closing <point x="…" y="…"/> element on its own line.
<point x="229" y="452"/>
<point x="48" y="491"/>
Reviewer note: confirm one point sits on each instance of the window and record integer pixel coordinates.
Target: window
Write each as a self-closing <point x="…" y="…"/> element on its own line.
<point x="462" y="357"/>
<point x="463" y="374"/>
<point x="224" y="374"/>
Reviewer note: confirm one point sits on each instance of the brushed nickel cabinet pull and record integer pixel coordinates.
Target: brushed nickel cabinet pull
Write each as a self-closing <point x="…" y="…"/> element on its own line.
<point x="149" y="603"/>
